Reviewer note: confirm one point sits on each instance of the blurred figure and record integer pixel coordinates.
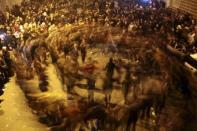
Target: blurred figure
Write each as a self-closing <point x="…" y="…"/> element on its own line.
<point x="107" y="87"/>
<point x="110" y="69"/>
<point x="91" y="86"/>
<point x="83" y="50"/>
<point x="126" y="83"/>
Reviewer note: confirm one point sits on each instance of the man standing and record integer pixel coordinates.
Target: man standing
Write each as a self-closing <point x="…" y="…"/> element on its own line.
<point x="126" y="82"/>
<point x="108" y="80"/>
<point x="83" y="50"/>
<point x="91" y="86"/>
<point x="107" y="87"/>
<point x="110" y="68"/>
<point x="91" y="80"/>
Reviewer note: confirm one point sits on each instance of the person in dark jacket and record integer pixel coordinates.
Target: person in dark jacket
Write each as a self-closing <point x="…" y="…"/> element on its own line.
<point x="83" y="51"/>
<point x="126" y="83"/>
<point x="91" y="86"/>
<point x="110" y="68"/>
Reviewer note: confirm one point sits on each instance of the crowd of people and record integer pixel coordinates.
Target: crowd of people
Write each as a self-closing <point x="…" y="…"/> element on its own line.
<point x="31" y="18"/>
<point x="24" y="28"/>
<point x="5" y="70"/>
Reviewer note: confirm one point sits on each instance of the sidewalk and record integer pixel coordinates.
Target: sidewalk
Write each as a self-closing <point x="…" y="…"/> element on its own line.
<point x="15" y="114"/>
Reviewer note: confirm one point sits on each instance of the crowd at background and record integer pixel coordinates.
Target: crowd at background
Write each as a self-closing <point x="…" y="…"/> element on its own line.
<point x="147" y="18"/>
<point x="5" y="69"/>
<point x="34" y="18"/>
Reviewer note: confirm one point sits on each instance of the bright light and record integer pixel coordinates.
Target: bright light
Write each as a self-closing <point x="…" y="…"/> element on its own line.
<point x="145" y="1"/>
<point x="2" y="36"/>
